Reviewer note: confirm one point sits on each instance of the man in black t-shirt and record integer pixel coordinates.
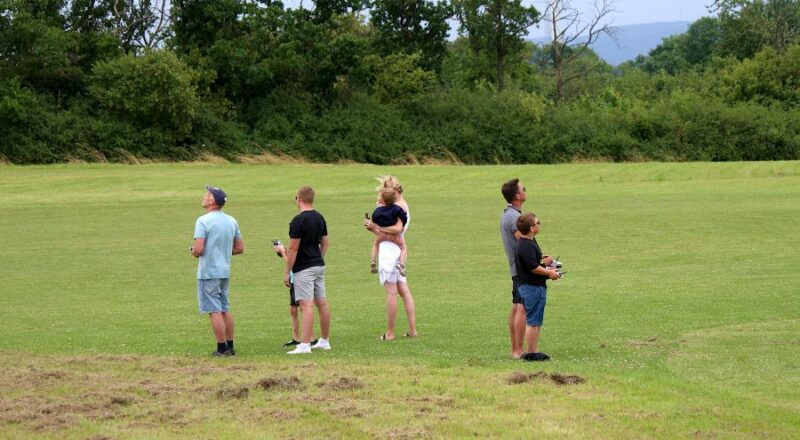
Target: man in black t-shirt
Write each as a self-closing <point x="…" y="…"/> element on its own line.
<point x="308" y="242"/>
<point x="533" y="275"/>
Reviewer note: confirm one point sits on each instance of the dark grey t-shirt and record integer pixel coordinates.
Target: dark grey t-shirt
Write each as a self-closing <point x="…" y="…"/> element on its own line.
<point x="508" y="226"/>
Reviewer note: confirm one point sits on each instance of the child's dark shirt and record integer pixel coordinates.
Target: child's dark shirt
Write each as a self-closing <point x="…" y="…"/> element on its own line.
<point x="386" y="216"/>
<point x="528" y="257"/>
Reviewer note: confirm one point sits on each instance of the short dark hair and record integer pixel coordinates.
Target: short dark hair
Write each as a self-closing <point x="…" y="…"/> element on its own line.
<point x="525" y="223"/>
<point x="306" y="194"/>
<point x="510" y="189"/>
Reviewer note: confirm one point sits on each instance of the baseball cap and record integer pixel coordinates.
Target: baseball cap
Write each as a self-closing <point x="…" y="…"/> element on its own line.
<point x="219" y="195"/>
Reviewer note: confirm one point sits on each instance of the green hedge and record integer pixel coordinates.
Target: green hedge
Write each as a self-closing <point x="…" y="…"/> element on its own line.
<point x="471" y="126"/>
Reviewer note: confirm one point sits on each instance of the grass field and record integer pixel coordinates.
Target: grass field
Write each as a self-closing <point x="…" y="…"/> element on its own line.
<point x="680" y="310"/>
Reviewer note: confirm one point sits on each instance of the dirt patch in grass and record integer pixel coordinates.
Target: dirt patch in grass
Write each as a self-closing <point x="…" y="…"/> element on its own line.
<point x="281" y="383"/>
<point x="645" y="343"/>
<point x="228" y="393"/>
<point x="557" y="378"/>
<point x="560" y="379"/>
<point x="38" y="375"/>
<point x="343" y="384"/>
<point x="346" y="410"/>
<point x="271" y="414"/>
<point x="122" y="400"/>
<point x="116" y="358"/>
<point x="405" y="433"/>
<point x="440" y="401"/>
<point x="51" y="415"/>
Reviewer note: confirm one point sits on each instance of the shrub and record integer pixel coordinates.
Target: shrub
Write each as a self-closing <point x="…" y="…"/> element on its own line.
<point x="157" y="91"/>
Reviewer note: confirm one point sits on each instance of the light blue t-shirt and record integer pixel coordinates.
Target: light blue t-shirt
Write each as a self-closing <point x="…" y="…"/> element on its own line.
<point x="219" y="230"/>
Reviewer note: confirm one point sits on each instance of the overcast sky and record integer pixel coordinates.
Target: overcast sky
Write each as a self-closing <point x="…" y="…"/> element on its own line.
<point x="627" y="11"/>
<point x="642" y="11"/>
<point x="648" y="11"/>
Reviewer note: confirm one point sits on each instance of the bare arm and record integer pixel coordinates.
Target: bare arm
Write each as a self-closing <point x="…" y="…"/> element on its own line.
<point x="395" y="229"/>
<point x="323" y="245"/>
<point x="280" y="249"/>
<point x="238" y="247"/>
<point x="199" y="247"/>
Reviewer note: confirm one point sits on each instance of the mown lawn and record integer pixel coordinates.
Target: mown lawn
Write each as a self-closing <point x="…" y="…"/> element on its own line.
<point x="679" y="314"/>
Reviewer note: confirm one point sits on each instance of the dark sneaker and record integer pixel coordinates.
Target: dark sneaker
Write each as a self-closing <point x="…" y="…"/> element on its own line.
<point x="535" y="357"/>
<point x="230" y="352"/>
<point x="216" y="353"/>
<point x="291" y="343"/>
<point x="373" y="267"/>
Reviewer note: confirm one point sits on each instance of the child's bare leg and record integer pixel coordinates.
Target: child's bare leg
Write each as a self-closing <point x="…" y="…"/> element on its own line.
<point x="401" y="265"/>
<point x="373" y="258"/>
<point x="403" y="252"/>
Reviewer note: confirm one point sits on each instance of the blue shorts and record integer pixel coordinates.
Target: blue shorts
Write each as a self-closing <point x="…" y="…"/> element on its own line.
<point x="534" y="298"/>
<point x="212" y="295"/>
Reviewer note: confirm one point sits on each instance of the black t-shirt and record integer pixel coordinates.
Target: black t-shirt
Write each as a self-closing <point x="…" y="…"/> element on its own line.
<point x="529" y="257"/>
<point x="309" y="227"/>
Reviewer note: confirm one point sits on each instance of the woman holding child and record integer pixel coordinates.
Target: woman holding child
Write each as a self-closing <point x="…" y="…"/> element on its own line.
<point x="389" y="223"/>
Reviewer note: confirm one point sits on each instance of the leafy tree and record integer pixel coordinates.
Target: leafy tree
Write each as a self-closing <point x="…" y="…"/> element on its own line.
<point x="198" y="24"/>
<point x="412" y="26"/>
<point x="325" y="9"/>
<point x="677" y="53"/>
<point x="768" y="78"/>
<point x="495" y="29"/>
<point x="668" y="56"/>
<point x="749" y="25"/>
<point x="701" y="41"/>
<point x="21" y="122"/>
<point x="156" y="90"/>
<point x="399" y="77"/>
<point x="35" y="48"/>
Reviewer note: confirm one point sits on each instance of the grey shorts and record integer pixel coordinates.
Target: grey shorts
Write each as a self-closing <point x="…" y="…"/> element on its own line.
<point x="309" y="283"/>
<point x="212" y="295"/>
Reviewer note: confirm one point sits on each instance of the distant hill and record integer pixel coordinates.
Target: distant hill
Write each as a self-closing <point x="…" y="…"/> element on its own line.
<point x="633" y="40"/>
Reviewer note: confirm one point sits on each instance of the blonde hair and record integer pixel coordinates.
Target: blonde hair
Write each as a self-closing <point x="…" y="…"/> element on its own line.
<point x="390" y="181"/>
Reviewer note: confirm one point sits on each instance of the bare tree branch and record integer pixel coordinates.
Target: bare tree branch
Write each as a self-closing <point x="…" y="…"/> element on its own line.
<point x="573" y="33"/>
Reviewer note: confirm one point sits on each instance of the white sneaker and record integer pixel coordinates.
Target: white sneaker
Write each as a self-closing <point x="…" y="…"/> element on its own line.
<point x="301" y="349"/>
<point x="322" y="344"/>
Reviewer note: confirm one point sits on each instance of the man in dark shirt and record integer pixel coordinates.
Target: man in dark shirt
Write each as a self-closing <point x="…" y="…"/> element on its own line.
<point x="533" y="274"/>
<point x="308" y="243"/>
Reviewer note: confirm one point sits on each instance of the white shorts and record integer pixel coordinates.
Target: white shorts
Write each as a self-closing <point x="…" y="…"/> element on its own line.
<point x="388" y="257"/>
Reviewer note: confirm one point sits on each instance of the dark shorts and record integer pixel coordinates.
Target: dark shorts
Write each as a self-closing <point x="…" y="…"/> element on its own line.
<point x="292" y="301"/>
<point x="515" y="298"/>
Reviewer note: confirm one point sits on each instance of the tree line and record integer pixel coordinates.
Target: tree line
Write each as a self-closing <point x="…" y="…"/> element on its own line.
<point x="380" y="81"/>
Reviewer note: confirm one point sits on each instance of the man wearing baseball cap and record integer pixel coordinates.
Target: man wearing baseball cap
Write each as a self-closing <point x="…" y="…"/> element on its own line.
<point x="216" y="238"/>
